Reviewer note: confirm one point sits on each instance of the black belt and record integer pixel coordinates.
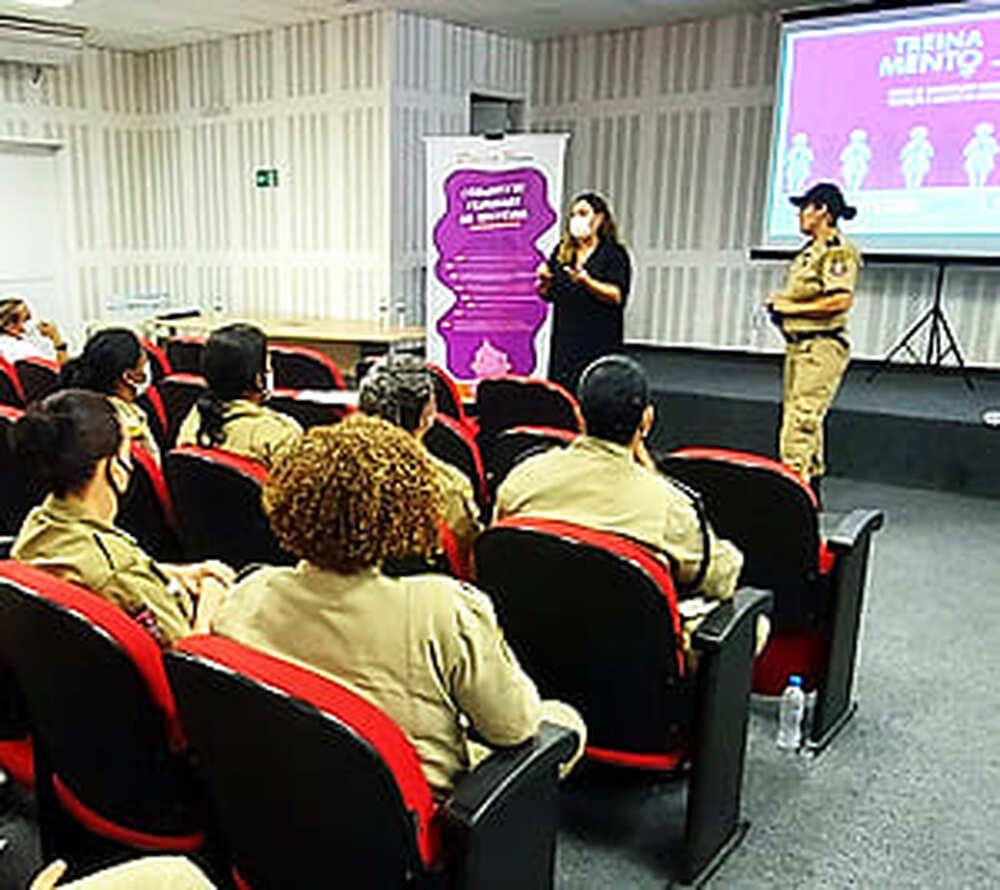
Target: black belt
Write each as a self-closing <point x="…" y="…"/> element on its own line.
<point x="801" y="336"/>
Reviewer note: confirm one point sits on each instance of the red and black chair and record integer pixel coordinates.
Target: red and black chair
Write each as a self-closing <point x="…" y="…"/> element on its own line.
<point x="151" y="401"/>
<point x="593" y="618"/>
<point x="216" y="496"/>
<point x="506" y="402"/>
<point x="184" y="354"/>
<point x="452" y="442"/>
<point x="18" y="491"/>
<point x="179" y="392"/>
<point x="159" y="364"/>
<point x="521" y="442"/>
<point x="109" y="772"/>
<point x="39" y="377"/>
<point x="313" y="786"/>
<point x="301" y="367"/>
<point x="818" y="580"/>
<point x="11" y="391"/>
<point x="148" y="513"/>
<point x="312" y="408"/>
<point x="448" y="398"/>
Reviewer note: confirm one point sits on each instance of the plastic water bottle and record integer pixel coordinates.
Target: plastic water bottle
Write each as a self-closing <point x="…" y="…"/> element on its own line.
<point x="793" y="706"/>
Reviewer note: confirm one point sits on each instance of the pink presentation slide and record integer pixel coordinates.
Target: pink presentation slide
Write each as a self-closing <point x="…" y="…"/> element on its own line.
<point x="902" y="113"/>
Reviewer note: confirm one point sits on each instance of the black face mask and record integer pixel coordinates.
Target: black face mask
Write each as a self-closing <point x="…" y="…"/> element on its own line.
<point x="123" y="495"/>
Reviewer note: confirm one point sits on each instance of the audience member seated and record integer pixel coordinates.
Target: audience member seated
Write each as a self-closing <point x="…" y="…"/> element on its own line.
<point x="74" y="444"/>
<point x="18" y="341"/>
<point x="114" y="364"/>
<point x="231" y="414"/>
<point x="400" y="389"/>
<point x="148" y="873"/>
<point x="606" y="480"/>
<point x="426" y="649"/>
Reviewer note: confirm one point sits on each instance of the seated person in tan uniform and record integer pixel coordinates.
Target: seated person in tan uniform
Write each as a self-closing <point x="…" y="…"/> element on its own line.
<point x="426" y="649"/>
<point x="231" y="415"/>
<point x="74" y="444"/>
<point x="606" y="480"/>
<point x="20" y="340"/>
<point x="114" y="364"/>
<point x="148" y="873"/>
<point x="398" y="388"/>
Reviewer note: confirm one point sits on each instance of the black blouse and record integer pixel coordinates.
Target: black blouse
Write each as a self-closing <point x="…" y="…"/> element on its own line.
<point x="585" y="326"/>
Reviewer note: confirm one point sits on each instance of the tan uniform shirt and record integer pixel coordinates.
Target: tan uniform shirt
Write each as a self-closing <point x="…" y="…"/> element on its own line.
<point x="62" y="538"/>
<point x="821" y="268"/>
<point x="461" y="514"/>
<point x="251" y="430"/>
<point x="136" y="424"/>
<point x="148" y="873"/>
<point x="426" y="649"/>
<point x="599" y="485"/>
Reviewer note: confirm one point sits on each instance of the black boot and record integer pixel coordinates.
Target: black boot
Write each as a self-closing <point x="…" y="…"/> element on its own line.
<point x="814" y="484"/>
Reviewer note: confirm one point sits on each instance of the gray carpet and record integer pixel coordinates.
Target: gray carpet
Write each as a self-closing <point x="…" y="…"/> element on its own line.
<point x="909" y="795"/>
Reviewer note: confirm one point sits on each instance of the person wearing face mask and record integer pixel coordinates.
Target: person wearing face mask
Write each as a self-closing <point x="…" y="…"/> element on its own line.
<point x="587" y="279"/>
<point x="74" y="444"/>
<point x="811" y="313"/>
<point x="231" y="414"/>
<point x="114" y="364"/>
<point x="16" y="337"/>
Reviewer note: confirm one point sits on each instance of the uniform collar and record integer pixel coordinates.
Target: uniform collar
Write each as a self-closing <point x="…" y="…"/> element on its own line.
<point x="592" y="445"/>
<point x="244" y="407"/>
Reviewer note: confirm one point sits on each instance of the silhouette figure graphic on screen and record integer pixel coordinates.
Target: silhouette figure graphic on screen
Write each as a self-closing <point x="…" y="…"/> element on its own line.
<point x="798" y="163"/>
<point x="916" y="158"/>
<point x="855" y="160"/>
<point x="980" y="155"/>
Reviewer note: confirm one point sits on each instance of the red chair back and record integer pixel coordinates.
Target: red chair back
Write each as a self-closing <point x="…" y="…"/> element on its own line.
<point x="312" y="785"/>
<point x="102" y="714"/>
<point x="18" y="492"/>
<point x="307" y="411"/>
<point x="148" y="513"/>
<point x="593" y="618"/>
<point x="178" y="393"/>
<point x="159" y="364"/>
<point x="184" y="354"/>
<point x="447" y="396"/>
<point x="11" y="391"/>
<point x="300" y="367"/>
<point x="217" y="498"/>
<point x="453" y="443"/>
<point x="39" y="377"/>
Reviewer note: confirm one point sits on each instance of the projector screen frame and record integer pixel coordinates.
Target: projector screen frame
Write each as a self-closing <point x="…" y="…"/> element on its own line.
<point x="973" y="252"/>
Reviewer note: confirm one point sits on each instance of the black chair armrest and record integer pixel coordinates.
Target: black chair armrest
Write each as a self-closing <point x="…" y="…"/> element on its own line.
<point x="500" y="821"/>
<point x="6" y="542"/>
<point x="852" y="527"/>
<point x="726" y="641"/>
<point x="722" y="622"/>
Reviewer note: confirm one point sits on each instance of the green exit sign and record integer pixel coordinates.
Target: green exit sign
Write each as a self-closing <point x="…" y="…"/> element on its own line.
<point x="266" y="177"/>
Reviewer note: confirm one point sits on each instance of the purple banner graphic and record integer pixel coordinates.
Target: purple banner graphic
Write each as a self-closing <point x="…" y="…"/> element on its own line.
<point x="487" y="246"/>
<point x="906" y="106"/>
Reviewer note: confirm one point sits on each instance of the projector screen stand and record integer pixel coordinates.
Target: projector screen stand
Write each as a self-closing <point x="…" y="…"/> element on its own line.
<point x="941" y="340"/>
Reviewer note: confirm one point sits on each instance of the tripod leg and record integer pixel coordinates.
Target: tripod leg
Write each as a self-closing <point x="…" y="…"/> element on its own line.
<point x="903" y="343"/>
<point x="954" y="347"/>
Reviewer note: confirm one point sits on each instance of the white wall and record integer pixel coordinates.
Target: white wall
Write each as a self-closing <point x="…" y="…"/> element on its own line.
<point x="436" y="66"/>
<point x="674" y="124"/>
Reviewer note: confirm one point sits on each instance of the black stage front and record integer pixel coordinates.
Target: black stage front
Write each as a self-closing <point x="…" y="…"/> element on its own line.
<point x="907" y="427"/>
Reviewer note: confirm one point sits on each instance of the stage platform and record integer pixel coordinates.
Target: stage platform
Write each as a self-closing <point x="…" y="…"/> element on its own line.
<point x="909" y="426"/>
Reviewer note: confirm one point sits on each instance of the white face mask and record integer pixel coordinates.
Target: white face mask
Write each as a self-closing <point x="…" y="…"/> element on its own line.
<point x="579" y="226"/>
<point x="140" y="386"/>
<point x="268" y="384"/>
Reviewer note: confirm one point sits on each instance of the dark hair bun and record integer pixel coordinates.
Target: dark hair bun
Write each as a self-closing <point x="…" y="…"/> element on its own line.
<point x="37" y="440"/>
<point x="849" y="212"/>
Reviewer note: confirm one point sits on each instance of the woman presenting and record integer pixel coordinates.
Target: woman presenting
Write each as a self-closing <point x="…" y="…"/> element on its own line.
<point x="587" y="280"/>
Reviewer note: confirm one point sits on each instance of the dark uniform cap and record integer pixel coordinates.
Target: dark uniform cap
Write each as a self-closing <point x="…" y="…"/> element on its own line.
<point x="828" y="195"/>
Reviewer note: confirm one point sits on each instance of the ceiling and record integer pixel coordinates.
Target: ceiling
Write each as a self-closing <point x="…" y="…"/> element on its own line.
<point x="155" y="24"/>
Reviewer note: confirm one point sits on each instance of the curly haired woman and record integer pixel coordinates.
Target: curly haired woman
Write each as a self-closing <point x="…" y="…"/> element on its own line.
<point x="425" y="648"/>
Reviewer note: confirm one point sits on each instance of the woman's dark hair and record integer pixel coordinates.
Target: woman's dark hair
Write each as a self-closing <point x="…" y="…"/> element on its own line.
<point x="607" y="232"/>
<point x="10" y="309"/>
<point x="107" y="355"/>
<point x="231" y="360"/>
<point x="61" y="439"/>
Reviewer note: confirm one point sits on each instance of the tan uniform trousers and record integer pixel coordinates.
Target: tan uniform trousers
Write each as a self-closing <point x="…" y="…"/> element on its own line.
<point x="813" y="370"/>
